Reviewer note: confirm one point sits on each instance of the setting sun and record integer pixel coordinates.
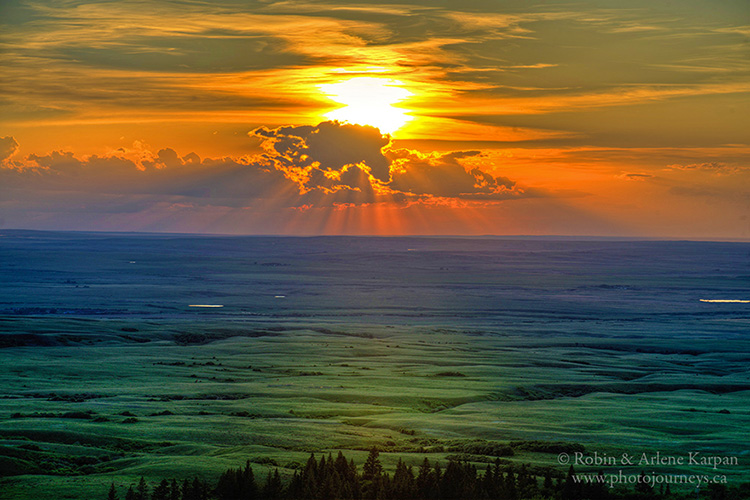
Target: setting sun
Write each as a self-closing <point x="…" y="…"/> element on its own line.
<point x="369" y="101"/>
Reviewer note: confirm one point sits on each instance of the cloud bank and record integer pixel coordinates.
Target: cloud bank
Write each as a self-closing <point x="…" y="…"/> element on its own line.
<point x="336" y="159"/>
<point x="329" y="165"/>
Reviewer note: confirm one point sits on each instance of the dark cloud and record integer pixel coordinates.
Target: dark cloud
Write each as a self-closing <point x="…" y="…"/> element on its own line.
<point x="697" y="191"/>
<point x="443" y="175"/>
<point x="224" y="181"/>
<point x="8" y="147"/>
<point x="328" y="147"/>
<point x="353" y="186"/>
<point x="169" y="158"/>
<point x="334" y="157"/>
<point x="635" y="176"/>
<point x="328" y="165"/>
<point x="718" y="168"/>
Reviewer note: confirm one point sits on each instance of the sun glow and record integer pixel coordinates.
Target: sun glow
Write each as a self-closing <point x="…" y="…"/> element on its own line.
<point x="369" y="101"/>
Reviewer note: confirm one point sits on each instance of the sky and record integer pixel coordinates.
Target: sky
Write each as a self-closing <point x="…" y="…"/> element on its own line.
<point x="506" y="117"/>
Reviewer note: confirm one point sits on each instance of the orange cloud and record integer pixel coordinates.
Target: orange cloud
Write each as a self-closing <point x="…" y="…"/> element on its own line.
<point x="718" y="168"/>
<point x="342" y="158"/>
<point x="8" y="147"/>
<point x="331" y="164"/>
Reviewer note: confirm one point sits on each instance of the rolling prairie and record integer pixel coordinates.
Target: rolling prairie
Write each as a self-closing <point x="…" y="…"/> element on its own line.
<point x="115" y="368"/>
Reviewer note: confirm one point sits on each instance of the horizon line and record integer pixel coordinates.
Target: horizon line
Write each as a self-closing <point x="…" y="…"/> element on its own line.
<point x="572" y="237"/>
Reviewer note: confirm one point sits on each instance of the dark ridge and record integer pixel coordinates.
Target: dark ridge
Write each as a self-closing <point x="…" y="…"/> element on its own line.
<point x="555" y="391"/>
<point x="26" y="340"/>
<point x="45" y="311"/>
<point x="200" y="397"/>
<point x="92" y="440"/>
<point x="449" y="374"/>
<point x="328" y="331"/>
<point x="81" y="415"/>
<point x="188" y="338"/>
<point x="548" y="446"/>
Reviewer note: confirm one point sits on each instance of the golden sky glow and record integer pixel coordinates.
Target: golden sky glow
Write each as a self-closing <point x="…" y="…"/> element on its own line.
<point x="369" y="100"/>
<point x="510" y="117"/>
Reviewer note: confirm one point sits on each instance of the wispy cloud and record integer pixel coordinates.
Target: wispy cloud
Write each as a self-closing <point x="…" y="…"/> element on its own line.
<point x="77" y="61"/>
<point x="635" y="176"/>
<point x="718" y="168"/>
<point x="505" y="98"/>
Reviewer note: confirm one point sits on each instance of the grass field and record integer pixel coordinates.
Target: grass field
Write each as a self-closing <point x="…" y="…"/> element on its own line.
<point x="96" y="390"/>
<point x="98" y="409"/>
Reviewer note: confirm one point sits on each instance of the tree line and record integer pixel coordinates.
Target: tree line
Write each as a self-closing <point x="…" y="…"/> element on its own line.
<point x="337" y="478"/>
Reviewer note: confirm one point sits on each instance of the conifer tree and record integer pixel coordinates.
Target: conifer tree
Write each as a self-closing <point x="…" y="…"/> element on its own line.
<point x="161" y="492"/>
<point x="372" y="468"/>
<point x="372" y="480"/>
<point x="571" y="489"/>
<point x="451" y="482"/>
<point x="430" y="475"/>
<point x="186" y="490"/>
<point x="248" y="490"/>
<point x="227" y="487"/>
<point x="403" y="482"/>
<point x="294" y="490"/>
<point x="310" y="478"/>
<point x="488" y="487"/>
<point x="548" y="482"/>
<point x="174" y="490"/>
<point x="198" y="490"/>
<point x="511" y="491"/>
<point x="342" y="467"/>
<point x="598" y="489"/>
<point x="273" y="488"/>
<point x="141" y="491"/>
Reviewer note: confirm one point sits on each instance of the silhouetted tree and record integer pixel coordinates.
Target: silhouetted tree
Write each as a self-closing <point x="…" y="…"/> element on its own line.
<point x="597" y="490"/>
<point x="547" y="486"/>
<point x="294" y="490"/>
<point x="194" y="490"/>
<point x="644" y="489"/>
<point x="427" y="482"/>
<point x="372" y="467"/>
<point x="571" y="489"/>
<point x="403" y="485"/>
<point x="186" y="490"/>
<point x="510" y="488"/>
<point x="161" y="492"/>
<point x="309" y="479"/>
<point x="485" y="485"/>
<point x="338" y="479"/>
<point x="273" y="488"/>
<point x="174" y="490"/>
<point x="141" y="491"/>
<point x="236" y="484"/>
<point x="199" y="490"/>
<point x="372" y="480"/>
<point x="451" y="483"/>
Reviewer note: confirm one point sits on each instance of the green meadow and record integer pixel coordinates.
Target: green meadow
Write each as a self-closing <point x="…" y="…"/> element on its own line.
<point x="114" y="400"/>
<point x="469" y="349"/>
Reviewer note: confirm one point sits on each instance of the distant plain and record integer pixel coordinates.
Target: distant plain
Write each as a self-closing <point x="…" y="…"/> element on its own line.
<point x="422" y="347"/>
